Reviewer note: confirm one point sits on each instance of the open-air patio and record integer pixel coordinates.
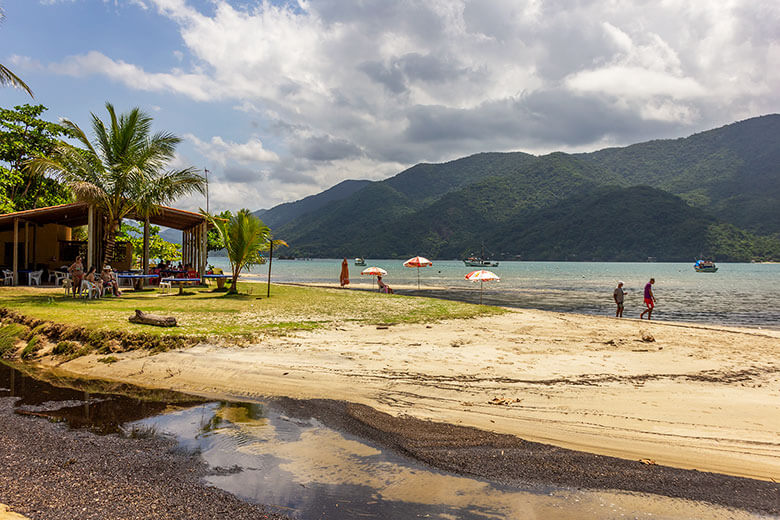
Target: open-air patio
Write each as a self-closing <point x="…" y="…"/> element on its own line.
<point x="40" y="244"/>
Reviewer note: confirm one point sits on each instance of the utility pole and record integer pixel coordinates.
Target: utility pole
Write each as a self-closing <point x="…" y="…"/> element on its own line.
<point x="207" y="189"/>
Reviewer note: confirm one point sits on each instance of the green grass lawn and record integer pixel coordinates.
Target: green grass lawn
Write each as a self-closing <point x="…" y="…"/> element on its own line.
<point x="202" y="312"/>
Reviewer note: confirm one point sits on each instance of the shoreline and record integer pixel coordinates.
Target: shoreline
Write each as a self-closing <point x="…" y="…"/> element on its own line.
<point x="471" y="296"/>
<point x="625" y="388"/>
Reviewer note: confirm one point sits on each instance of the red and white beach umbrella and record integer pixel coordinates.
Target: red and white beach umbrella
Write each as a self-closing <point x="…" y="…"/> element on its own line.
<point x="418" y="262"/>
<point x="482" y="276"/>
<point x="374" y="271"/>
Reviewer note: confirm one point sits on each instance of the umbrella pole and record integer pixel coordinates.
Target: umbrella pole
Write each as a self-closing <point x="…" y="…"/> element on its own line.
<point x="480" y="292"/>
<point x="418" y="277"/>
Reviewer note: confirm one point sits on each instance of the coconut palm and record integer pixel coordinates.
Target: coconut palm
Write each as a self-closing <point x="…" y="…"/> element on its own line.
<point x="244" y="236"/>
<point x="8" y="78"/>
<point x="123" y="173"/>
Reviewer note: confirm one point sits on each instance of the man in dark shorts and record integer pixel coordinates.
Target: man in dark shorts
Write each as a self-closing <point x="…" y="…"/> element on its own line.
<point x="619" y="295"/>
<point x="649" y="299"/>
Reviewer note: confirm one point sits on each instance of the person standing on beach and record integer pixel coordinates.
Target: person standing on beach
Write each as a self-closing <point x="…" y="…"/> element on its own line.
<point x="619" y="295"/>
<point x="649" y="299"/>
<point x="77" y="274"/>
<point x="344" y="277"/>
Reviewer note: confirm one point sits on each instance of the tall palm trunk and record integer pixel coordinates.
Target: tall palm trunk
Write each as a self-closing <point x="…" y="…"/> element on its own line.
<point x="234" y="287"/>
<point x="109" y="241"/>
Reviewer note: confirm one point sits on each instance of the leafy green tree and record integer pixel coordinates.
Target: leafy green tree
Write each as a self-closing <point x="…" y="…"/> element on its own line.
<point x="158" y="246"/>
<point x="244" y="236"/>
<point x="123" y="172"/>
<point x="24" y="135"/>
<point x="214" y="240"/>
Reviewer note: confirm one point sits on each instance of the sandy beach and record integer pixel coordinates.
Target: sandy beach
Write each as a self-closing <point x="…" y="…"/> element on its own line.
<point x="682" y="395"/>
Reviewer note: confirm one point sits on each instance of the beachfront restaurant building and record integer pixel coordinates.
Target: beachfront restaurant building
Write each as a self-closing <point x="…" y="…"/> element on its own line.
<point x="43" y="239"/>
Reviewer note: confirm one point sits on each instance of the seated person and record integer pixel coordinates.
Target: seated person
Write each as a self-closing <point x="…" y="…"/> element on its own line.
<point x="383" y="287"/>
<point x="110" y="281"/>
<point x="91" y="280"/>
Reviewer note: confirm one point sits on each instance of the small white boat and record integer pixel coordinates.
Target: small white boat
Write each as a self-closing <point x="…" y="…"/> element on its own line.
<point x="360" y="261"/>
<point x="473" y="261"/>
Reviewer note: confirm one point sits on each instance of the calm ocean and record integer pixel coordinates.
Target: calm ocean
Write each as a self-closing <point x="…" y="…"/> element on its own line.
<point x="738" y="294"/>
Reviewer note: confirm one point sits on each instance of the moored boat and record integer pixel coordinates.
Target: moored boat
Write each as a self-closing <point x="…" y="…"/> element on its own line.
<point x="705" y="266"/>
<point x="473" y="261"/>
<point x="360" y="261"/>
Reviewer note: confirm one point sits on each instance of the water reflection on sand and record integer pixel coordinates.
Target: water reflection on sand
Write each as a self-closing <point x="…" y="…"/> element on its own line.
<point x="311" y="471"/>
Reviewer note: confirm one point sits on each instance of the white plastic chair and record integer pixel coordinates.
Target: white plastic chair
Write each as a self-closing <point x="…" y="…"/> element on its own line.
<point x="8" y="277"/>
<point x="58" y="277"/>
<point x="165" y="286"/>
<point x="89" y="290"/>
<point x="35" y="277"/>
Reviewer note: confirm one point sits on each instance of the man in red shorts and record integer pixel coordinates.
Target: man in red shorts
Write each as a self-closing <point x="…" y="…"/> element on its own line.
<point x="649" y="299"/>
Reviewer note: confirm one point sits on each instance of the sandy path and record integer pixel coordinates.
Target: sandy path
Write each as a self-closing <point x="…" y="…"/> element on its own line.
<point x="697" y="397"/>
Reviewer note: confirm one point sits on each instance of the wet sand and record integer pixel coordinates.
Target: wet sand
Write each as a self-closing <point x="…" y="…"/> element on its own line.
<point x="680" y="395"/>
<point x="50" y="472"/>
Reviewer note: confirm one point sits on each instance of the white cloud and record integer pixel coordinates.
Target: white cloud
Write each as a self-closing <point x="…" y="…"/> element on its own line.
<point x="346" y="89"/>
<point x="224" y="152"/>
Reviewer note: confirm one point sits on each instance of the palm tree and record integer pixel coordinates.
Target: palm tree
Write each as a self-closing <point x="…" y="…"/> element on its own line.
<point x="9" y="78"/>
<point x="123" y="172"/>
<point x="244" y="236"/>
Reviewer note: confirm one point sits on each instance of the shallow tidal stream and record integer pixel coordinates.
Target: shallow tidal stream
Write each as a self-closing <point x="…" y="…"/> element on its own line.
<point x="298" y="466"/>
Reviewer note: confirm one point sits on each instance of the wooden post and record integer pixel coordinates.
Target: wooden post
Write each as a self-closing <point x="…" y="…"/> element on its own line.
<point x="204" y="248"/>
<point x="145" y="255"/>
<point x="270" y="259"/>
<point x="90" y="237"/>
<point x="26" y="245"/>
<point x="16" y="251"/>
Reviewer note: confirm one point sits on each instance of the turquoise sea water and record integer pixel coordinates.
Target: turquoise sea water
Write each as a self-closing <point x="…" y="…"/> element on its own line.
<point x="738" y="294"/>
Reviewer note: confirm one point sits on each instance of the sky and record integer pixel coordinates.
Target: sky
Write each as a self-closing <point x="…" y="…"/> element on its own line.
<point x="283" y="99"/>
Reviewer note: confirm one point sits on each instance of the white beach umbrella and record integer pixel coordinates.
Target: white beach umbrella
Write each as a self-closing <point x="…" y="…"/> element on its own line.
<point x="482" y="276"/>
<point x="418" y="262"/>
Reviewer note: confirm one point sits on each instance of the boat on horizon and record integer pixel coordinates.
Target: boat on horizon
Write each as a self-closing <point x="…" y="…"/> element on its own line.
<point x="360" y="261"/>
<point x="705" y="266"/>
<point x="480" y="261"/>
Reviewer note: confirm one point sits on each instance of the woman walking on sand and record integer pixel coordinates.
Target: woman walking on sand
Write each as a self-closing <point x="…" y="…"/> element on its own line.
<point x="344" y="277"/>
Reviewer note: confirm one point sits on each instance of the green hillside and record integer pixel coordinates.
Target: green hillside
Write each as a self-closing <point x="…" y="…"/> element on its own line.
<point x="713" y="193"/>
<point x="732" y="171"/>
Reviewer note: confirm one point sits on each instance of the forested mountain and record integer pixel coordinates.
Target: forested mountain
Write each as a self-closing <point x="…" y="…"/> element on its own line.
<point x="283" y="213"/>
<point x="713" y="191"/>
<point x="732" y="171"/>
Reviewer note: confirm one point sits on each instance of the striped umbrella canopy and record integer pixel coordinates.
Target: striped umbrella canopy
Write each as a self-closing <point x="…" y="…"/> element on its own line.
<point x="374" y="271"/>
<point x="418" y="262"/>
<point x="481" y="276"/>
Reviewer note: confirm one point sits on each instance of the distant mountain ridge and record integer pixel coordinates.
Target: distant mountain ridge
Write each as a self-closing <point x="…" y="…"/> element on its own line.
<point x="714" y="193"/>
<point x="283" y="213"/>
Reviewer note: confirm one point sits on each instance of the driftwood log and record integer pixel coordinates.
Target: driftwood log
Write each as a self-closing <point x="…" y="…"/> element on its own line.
<point x="152" y="319"/>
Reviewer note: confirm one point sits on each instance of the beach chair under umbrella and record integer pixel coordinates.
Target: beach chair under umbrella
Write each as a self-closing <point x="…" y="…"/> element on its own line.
<point x="482" y="276"/>
<point x="418" y="262"/>
<point x="374" y="271"/>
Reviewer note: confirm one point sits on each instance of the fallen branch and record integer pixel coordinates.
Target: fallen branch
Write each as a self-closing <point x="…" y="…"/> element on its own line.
<point x="152" y="319"/>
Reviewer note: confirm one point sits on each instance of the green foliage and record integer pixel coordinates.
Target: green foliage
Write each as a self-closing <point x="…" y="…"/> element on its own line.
<point x="244" y="236"/>
<point x="122" y="171"/>
<point x="65" y="347"/>
<point x="33" y="346"/>
<point x="108" y="360"/>
<point x="24" y="136"/>
<point x="9" y="335"/>
<point x="158" y="247"/>
<point x="215" y="242"/>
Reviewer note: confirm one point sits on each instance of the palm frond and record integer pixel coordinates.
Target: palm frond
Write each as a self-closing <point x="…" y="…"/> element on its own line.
<point x="9" y="78"/>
